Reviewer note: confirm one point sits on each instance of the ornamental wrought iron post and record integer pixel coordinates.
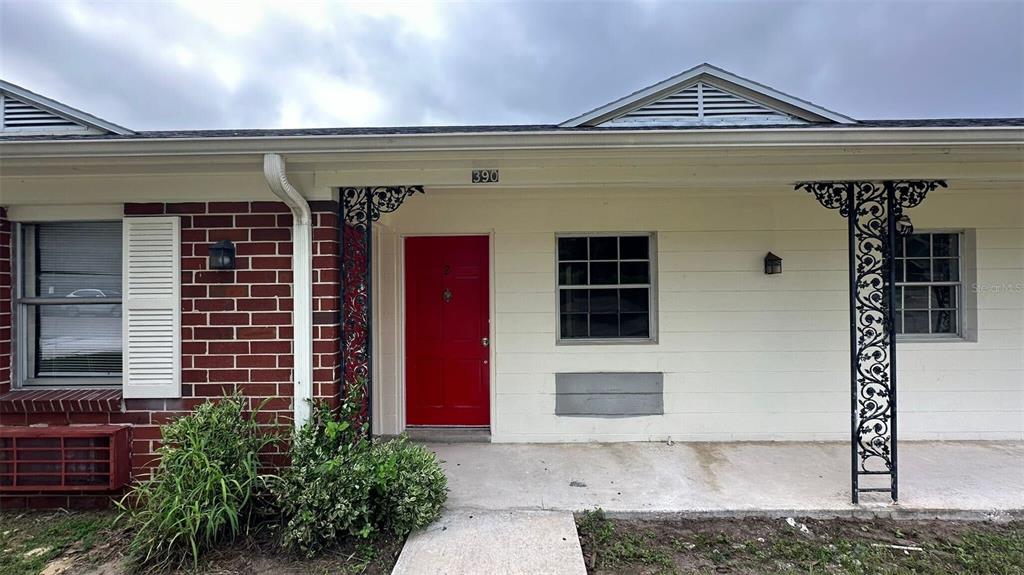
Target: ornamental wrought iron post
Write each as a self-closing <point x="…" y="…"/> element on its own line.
<point x="874" y="213"/>
<point x="360" y="207"/>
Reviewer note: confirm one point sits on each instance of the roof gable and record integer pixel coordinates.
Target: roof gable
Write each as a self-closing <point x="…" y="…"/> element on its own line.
<point x="23" y="112"/>
<point x="706" y="95"/>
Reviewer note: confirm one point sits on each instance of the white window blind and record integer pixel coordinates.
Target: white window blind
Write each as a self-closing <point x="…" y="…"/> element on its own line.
<point x="70" y="303"/>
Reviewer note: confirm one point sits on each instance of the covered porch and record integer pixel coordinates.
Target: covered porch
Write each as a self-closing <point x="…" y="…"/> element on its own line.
<point x="959" y="480"/>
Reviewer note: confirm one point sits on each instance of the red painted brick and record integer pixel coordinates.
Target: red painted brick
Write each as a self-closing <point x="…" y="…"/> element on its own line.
<point x="143" y="209"/>
<point x="258" y="304"/>
<point x="215" y="277"/>
<point x="186" y="208"/>
<point x="277" y="318"/>
<point x="265" y="361"/>
<point x="261" y="276"/>
<point x="272" y="207"/>
<point x="193" y="236"/>
<point x="259" y="389"/>
<point x="193" y="348"/>
<point x="257" y="248"/>
<point x="271" y="346"/>
<point x="214" y="332"/>
<point x="229" y="291"/>
<point x="270" y="375"/>
<point x="217" y="304"/>
<point x="194" y="376"/>
<point x="213" y="221"/>
<point x="204" y="361"/>
<point x="223" y="318"/>
<point x="271" y="234"/>
<point x="257" y="333"/>
<point x="271" y="263"/>
<point x="236" y="347"/>
<point x="271" y="291"/>
<point x="228" y="207"/>
<point x="230" y="234"/>
<point x="257" y="221"/>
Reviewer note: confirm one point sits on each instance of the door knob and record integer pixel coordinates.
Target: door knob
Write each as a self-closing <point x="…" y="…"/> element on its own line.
<point x="446" y="295"/>
<point x="485" y="341"/>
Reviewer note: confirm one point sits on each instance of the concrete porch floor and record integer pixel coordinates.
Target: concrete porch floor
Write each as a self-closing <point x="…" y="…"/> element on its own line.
<point x="939" y="478"/>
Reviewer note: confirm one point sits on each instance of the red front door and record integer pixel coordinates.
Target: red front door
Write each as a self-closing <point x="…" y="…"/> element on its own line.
<point x="447" y="371"/>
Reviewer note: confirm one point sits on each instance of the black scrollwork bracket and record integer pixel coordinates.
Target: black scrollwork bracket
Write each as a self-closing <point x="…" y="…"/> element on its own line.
<point x="360" y="207"/>
<point x="874" y="211"/>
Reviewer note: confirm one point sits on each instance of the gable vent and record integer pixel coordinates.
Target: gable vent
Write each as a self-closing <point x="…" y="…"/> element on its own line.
<point x="21" y="116"/>
<point x="702" y="104"/>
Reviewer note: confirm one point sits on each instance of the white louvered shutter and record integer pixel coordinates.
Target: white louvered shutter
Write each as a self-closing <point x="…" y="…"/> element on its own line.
<point x="152" y="308"/>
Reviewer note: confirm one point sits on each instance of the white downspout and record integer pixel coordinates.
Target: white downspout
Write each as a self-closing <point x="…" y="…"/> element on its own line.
<point x="302" y="282"/>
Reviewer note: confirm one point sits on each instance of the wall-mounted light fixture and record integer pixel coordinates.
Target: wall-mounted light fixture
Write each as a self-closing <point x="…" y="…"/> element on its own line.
<point x="222" y="255"/>
<point x="772" y="264"/>
<point x="904" y="227"/>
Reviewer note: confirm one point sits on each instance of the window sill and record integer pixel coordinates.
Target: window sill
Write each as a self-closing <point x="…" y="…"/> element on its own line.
<point x="61" y="401"/>
<point x="610" y="341"/>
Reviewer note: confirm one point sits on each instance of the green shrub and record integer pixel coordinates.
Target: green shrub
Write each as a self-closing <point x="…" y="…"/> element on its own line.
<point x="342" y="485"/>
<point x="203" y="491"/>
<point x="409" y="487"/>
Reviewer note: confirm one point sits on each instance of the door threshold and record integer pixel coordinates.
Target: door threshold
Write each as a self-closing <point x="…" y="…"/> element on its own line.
<point x="443" y="434"/>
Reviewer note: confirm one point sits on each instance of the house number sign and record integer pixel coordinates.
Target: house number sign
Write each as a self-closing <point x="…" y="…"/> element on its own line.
<point x="485" y="176"/>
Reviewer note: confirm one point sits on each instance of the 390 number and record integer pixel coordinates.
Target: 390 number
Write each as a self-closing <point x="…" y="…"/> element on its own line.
<point x="485" y="176"/>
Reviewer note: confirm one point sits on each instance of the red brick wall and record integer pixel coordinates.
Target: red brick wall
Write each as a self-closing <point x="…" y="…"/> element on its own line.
<point x="236" y="325"/>
<point x="6" y="295"/>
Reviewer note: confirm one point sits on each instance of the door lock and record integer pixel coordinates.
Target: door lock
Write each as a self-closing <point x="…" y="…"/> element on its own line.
<point x="486" y="341"/>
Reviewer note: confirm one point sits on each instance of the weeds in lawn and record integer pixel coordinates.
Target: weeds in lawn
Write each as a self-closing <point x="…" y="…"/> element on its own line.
<point x="840" y="546"/>
<point x="28" y="543"/>
<point x="616" y="549"/>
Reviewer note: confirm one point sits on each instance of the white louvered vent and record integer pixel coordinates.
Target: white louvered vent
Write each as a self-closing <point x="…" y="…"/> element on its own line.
<point x="152" y="324"/>
<point x="700" y="104"/>
<point x="22" y="116"/>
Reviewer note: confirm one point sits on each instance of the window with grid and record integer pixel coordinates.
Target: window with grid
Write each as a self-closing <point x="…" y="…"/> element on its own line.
<point x="928" y="284"/>
<point x="69" y="303"/>
<point x="604" y="287"/>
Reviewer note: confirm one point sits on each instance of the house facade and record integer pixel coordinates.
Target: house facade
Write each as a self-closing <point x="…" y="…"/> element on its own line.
<point x="665" y="267"/>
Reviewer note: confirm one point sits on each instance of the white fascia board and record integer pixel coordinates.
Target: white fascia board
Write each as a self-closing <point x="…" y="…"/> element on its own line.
<point x="691" y="76"/>
<point x="501" y="141"/>
<point x="63" y="110"/>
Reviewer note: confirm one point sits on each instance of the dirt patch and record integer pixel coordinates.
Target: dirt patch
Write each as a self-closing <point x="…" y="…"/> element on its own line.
<point x="756" y="545"/>
<point x="73" y="543"/>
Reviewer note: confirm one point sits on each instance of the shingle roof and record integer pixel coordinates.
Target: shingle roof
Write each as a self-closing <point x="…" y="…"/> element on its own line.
<point x="513" y="128"/>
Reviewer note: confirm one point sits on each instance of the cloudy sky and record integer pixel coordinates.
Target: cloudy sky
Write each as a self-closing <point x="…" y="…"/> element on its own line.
<point x="208" y="64"/>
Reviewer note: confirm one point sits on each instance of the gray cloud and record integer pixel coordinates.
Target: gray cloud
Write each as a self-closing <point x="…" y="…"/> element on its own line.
<point x="212" y="65"/>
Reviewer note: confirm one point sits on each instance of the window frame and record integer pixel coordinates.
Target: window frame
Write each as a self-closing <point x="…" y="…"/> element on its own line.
<point x="23" y="332"/>
<point x="959" y="285"/>
<point x="652" y="303"/>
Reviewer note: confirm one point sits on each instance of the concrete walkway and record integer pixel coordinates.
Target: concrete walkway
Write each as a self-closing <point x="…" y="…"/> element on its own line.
<point x="723" y="478"/>
<point x="494" y="542"/>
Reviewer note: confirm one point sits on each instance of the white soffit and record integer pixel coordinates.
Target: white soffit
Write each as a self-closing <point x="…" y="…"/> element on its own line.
<point x="23" y="112"/>
<point x="707" y="96"/>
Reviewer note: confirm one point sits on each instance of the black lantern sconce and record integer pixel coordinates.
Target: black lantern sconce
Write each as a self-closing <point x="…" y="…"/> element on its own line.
<point x="904" y="227"/>
<point x="772" y="264"/>
<point x="222" y="255"/>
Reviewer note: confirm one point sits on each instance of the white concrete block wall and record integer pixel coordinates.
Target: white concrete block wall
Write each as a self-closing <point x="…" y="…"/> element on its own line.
<point x="746" y="356"/>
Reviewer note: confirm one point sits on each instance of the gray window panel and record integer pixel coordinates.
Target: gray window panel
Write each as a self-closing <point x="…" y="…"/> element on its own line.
<point x="609" y="394"/>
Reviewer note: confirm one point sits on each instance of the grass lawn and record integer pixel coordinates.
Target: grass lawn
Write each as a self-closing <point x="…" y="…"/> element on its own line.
<point x="69" y="543"/>
<point x="31" y="541"/>
<point x="755" y="546"/>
